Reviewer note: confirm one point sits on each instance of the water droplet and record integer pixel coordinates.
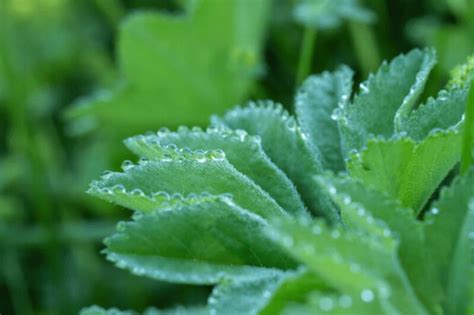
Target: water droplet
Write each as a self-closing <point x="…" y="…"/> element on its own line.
<point x="163" y="131"/>
<point x="367" y="295"/>
<point x="107" y="191"/>
<point x="241" y="134"/>
<point x="336" y="114"/>
<point x="183" y="129"/>
<point x="326" y="303"/>
<point x="218" y="155"/>
<point x="266" y="294"/>
<point x="361" y="211"/>
<point x="138" y="192"/>
<point x="291" y="124"/>
<point x="177" y="196"/>
<point x="142" y="160"/>
<point x="171" y="147"/>
<point x="346" y="199"/>
<point x="107" y="174"/>
<point x="161" y="195"/>
<point x="345" y="301"/>
<point x="332" y="190"/>
<point x="364" y="88"/>
<point x="196" y="129"/>
<point x="200" y="156"/>
<point x="118" y="189"/>
<point x="127" y="164"/>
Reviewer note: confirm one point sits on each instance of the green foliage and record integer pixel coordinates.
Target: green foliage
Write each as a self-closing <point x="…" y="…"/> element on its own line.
<point x="161" y="55"/>
<point x="373" y="240"/>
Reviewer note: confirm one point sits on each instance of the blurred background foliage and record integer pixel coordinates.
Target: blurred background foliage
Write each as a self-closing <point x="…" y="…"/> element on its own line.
<point x="76" y="77"/>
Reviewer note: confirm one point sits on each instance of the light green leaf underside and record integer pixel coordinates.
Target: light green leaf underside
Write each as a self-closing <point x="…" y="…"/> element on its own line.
<point x="385" y="99"/>
<point x="161" y="86"/>
<point x="405" y="170"/>
<point x="327" y="14"/>
<point x="350" y="195"/>
<point x="315" y="102"/>
<point x="350" y="262"/>
<point x="441" y="112"/>
<point x="201" y="244"/>
<point x="284" y="143"/>
<point x="187" y="172"/>
<point x="243" y="151"/>
<point x="450" y="240"/>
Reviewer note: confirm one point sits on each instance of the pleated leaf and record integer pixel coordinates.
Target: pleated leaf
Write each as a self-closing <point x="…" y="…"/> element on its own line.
<point x="287" y="147"/>
<point x="201" y="244"/>
<point x="315" y="102"/>
<point x="406" y="170"/>
<point x="243" y="151"/>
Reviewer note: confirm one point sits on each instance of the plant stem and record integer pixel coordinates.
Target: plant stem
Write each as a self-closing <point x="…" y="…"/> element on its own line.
<point x="467" y="142"/>
<point x="365" y="47"/>
<point x="306" y="54"/>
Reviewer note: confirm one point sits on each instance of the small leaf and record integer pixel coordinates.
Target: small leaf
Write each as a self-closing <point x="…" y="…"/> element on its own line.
<point x="449" y="236"/>
<point x="186" y="172"/>
<point x="440" y="113"/>
<point x="201" y="244"/>
<point x="405" y="170"/>
<point x="285" y="144"/>
<point x="243" y="151"/>
<point x="315" y="102"/>
<point x="385" y="99"/>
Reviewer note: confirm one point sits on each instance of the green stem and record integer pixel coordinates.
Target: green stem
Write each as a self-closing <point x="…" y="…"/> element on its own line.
<point x="365" y="47"/>
<point x="306" y="54"/>
<point x="467" y="142"/>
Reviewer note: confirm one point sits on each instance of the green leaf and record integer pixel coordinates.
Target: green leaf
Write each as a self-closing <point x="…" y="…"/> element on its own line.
<point x="245" y="296"/>
<point x="405" y="170"/>
<point x="174" y="64"/>
<point x="287" y="147"/>
<point x="201" y="244"/>
<point x="440" y="113"/>
<point x="185" y="172"/>
<point x="293" y="289"/>
<point x="350" y="262"/>
<point x="327" y="14"/>
<point x="243" y="151"/>
<point x="354" y="200"/>
<point x="385" y="99"/>
<point x="315" y="101"/>
<point x="449" y="236"/>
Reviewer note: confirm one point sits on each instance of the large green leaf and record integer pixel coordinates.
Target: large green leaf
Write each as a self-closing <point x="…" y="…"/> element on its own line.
<point x="185" y="172"/>
<point x="352" y="263"/>
<point x="243" y="151"/>
<point x="315" y="101"/>
<point x="354" y="200"/>
<point x="202" y="244"/>
<point x="407" y="171"/>
<point x="385" y="99"/>
<point x="450" y="239"/>
<point x="287" y="147"/>
<point x="172" y="65"/>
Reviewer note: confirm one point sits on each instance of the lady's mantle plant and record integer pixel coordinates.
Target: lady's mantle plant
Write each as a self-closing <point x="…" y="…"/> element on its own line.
<point x="252" y="206"/>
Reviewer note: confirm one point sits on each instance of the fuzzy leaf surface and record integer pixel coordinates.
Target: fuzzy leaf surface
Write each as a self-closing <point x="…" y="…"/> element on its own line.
<point x="385" y="99"/>
<point x="450" y="241"/>
<point x="243" y="151"/>
<point x="405" y="170"/>
<point x="315" y="101"/>
<point x="200" y="244"/>
<point x="284" y="143"/>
